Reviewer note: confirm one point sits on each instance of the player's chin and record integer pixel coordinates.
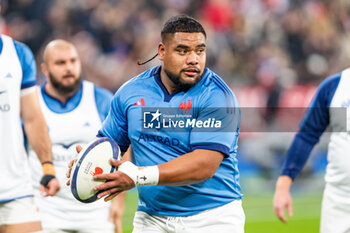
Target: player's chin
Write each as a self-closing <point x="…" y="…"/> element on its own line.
<point x="69" y="80"/>
<point x="189" y="79"/>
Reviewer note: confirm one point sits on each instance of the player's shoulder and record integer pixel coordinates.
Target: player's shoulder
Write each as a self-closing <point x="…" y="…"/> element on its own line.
<point x="215" y="83"/>
<point x="148" y="74"/>
<point x="216" y="88"/>
<point x="335" y="78"/>
<point x="331" y="82"/>
<point x="213" y="91"/>
<point x="20" y="46"/>
<point x="22" y="49"/>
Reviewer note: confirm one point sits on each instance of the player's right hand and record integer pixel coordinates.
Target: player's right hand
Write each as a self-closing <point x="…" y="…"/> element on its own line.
<point x="282" y="199"/>
<point x="51" y="188"/>
<point x="70" y="164"/>
<point x="115" y="182"/>
<point x="49" y="184"/>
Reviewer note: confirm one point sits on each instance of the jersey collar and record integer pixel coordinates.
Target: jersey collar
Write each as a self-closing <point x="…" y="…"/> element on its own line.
<point x="57" y="106"/>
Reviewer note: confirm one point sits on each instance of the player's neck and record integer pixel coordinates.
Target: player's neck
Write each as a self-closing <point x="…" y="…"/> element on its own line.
<point x="168" y="84"/>
<point x="63" y="98"/>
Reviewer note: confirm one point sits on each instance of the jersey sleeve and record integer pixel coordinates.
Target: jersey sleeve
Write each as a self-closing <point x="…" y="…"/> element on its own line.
<point x="28" y="65"/>
<point x="221" y="112"/>
<point x="115" y="126"/>
<point x="312" y="126"/>
<point x="103" y="100"/>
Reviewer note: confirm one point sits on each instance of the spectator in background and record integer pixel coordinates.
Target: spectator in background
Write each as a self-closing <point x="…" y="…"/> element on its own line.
<point x="307" y="31"/>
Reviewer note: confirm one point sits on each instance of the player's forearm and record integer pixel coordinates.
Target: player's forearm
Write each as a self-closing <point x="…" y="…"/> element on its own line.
<point x="119" y="203"/>
<point x="127" y="155"/>
<point x="297" y="156"/>
<point x="284" y="183"/>
<point x="117" y="211"/>
<point x="190" y="168"/>
<point x="35" y="126"/>
<point x="38" y="137"/>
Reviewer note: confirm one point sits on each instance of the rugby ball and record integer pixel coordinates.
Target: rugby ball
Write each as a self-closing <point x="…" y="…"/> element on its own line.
<point x="92" y="160"/>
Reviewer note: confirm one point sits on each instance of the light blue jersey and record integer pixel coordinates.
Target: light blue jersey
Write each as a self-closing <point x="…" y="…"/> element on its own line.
<point x="129" y="122"/>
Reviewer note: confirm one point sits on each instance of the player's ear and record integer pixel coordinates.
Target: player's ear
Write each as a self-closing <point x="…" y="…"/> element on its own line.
<point x="43" y="67"/>
<point x="161" y="51"/>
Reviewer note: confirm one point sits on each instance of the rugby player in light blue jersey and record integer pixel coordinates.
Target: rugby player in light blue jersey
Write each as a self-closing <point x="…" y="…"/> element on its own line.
<point x="330" y="107"/>
<point x="19" y="99"/>
<point x="182" y="121"/>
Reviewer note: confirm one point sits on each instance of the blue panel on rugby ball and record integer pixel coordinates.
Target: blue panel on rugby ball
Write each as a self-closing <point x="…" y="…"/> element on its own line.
<point x="93" y="159"/>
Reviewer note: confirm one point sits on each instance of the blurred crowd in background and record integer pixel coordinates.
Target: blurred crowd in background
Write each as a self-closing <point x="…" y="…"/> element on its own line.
<point x="249" y="41"/>
<point x="271" y="52"/>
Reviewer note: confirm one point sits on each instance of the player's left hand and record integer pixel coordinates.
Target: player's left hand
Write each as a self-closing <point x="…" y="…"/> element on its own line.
<point x="51" y="188"/>
<point x="282" y="199"/>
<point x="70" y="164"/>
<point x="116" y="182"/>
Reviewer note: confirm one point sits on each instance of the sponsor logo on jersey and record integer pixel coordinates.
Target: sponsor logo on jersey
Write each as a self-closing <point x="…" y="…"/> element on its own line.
<point x="86" y="124"/>
<point x="9" y="75"/>
<point x="5" y="108"/>
<point x="140" y="102"/>
<point x="160" y="139"/>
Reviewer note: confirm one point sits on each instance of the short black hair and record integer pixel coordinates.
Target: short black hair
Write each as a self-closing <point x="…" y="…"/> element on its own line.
<point x="182" y="23"/>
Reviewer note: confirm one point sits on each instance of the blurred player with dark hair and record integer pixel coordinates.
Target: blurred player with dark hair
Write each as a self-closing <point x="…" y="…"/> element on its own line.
<point x="74" y="111"/>
<point x="19" y="99"/>
<point x="187" y="180"/>
<point x="332" y="96"/>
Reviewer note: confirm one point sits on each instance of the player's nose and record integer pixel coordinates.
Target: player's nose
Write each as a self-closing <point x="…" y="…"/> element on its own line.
<point x="69" y="66"/>
<point x="192" y="58"/>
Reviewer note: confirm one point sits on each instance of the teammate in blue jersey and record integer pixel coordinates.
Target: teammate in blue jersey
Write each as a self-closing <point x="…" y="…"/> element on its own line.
<point x="19" y="99"/>
<point x="74" y="111"/>
<point x="328" y="108"/>
<point x="177" y="118"/>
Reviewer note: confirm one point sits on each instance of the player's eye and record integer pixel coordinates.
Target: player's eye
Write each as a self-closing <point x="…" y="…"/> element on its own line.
<point x="60" y="63"/>
<point x="200" y="51"/>
<point x="181" y="51"/>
